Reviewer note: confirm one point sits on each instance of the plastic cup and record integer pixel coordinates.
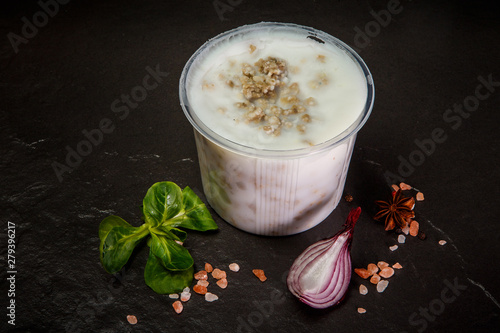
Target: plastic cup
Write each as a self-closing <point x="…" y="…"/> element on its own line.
<point x="273" y="192"/>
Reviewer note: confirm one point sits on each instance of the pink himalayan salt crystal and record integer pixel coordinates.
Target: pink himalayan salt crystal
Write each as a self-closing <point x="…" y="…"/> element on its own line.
<point x="234" y="267"/>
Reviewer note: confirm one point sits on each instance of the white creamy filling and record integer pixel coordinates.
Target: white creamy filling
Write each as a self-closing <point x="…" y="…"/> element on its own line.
<point x="323" y="72"/>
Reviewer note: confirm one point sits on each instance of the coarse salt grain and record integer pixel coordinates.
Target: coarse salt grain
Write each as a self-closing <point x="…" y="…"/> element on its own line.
<point x="406" y="229"/>
<point x="218" y="274"/>
<point x="173" y="296"/>
<point x="375" y="279"/>
<point x="442" y="242"/>
<point x="361" y="310"/>
<point x="201" y="275"/>
<point x="395" y="187"/>
<point x="382" y="264"/>
<point x="132" y="319"/>
<point x="203" y="283"/>
<point x="260" y="274"/>
<point x="372" y="269"/>
<point x="234" y="267"/>
<point x="222" y="283"/>
<point x="209" y="297"/>
<point x="393" y="248"/>
<point x="401" y="239"/>
<point x="362" y="289"/>
<point x="382" y="285"/>
<point x="397" y="266"/>
<point x="414" y="226"/>
<point x="178" y="307"/>
<point x="420" y="196"/>
<point x="405" y="186"/>
<point x="200" y="289"/>
<point x="208" y="268"/>
<point x="185" y="296"/>
<point x="362" y="272"/>
<point x="387" y="272"/>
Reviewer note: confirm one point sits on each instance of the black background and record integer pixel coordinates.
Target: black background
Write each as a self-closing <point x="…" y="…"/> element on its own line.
<point x="425" y="58"/>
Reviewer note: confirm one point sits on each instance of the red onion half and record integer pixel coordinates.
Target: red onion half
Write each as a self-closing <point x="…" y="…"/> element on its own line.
<point x="321" y="274"/>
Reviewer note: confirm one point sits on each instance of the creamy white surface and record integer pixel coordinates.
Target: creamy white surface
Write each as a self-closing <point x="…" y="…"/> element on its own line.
<point x="338" y="104"/>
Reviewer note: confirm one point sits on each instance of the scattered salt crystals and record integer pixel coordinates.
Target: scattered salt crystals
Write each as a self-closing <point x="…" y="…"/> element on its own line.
<point x="362" y="289"/>
<point x="218" y="274"/>
<point x="361" y="310"/>
<point x="201" y="275"/>
<point x="208" y="268"/>
<point x="401" y="239"/>
<point x="234" y="267"/>
<point x="393" y="248"/>
<point x="200" y="289"/>
<point x="178" y="307"/>
<point x="382" y="264"/>
<point x="222" y="283"/>
<point x="173" y="296"/>
<point x="185" y="296"/>
<point x="406" y="229"/>
<point x="420" y="196"/>
<point x="442" y="242"/>
<point x="397" y="266"/>
<point x="405" y="186"/>
<point x="395" y="187"/>
<point x="382" y="285"/>
<point x="414" y="226"/>
<point x="209" y="297"/>
<point x="372" y="269"/>
<point x="387" y="272"/>
<point x="375" y="279"/>
<point x="203" y="283"/>
<point x="132" y="319"/>
<point x="260" y="274"/>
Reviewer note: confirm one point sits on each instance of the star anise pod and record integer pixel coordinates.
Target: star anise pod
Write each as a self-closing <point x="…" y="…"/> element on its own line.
<point x="396" y="210"/>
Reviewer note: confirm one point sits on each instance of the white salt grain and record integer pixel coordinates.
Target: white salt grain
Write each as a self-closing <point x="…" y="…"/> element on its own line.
<point x="363" y="290"/>
<point x="401" y="239"/>
<point x="442" y="242"/>
<point x="173" y="296"/>
<point x="361" y="310"/>
<point x="234" y="267"/>
<point x="406" y="229"/>
<point x="393" y="248"/>
<point x="382" y="285"/>
<point x="209" y="297"/>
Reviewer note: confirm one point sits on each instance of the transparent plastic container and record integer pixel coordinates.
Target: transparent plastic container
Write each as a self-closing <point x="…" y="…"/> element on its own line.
<point x="273" y="192"/>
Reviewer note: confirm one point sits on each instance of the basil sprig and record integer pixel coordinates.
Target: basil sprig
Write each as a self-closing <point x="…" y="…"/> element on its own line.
<point x="166" y="208"/>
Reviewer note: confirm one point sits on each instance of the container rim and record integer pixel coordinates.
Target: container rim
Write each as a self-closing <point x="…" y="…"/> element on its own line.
<point x="308" y="32"/>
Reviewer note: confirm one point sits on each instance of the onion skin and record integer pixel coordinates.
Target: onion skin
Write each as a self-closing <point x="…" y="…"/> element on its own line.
<point x="331" y="275"/>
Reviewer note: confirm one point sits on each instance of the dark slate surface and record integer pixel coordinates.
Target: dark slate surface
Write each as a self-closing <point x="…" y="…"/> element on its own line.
<point x="427" y="58"/>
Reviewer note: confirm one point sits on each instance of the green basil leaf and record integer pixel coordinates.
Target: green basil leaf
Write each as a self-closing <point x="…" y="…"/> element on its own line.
<point x="164" y="281"/>
<point x="118" y="244"/>
<point x="196" y="215"/>
<point x="172" y="256"/>
<point x="163" y="201"/>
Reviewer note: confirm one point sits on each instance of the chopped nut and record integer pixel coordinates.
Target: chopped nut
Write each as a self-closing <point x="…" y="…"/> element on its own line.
<point x="252" y="48"/>
<point x="387" y="272"/>
<point x="306" y="118"/>
<point x="234" y="267"/>
<point x="310" y="101"/>
<point x="375" y="279"/>
<point x="132" y="319"/>
<point x="362" y="289"/>
<point x="382" y="285"/>
<point x="301" y="128"/>
<point x="178" y="307"/>
<point x="321" y="58"/>
<point x="260" y="274"/>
